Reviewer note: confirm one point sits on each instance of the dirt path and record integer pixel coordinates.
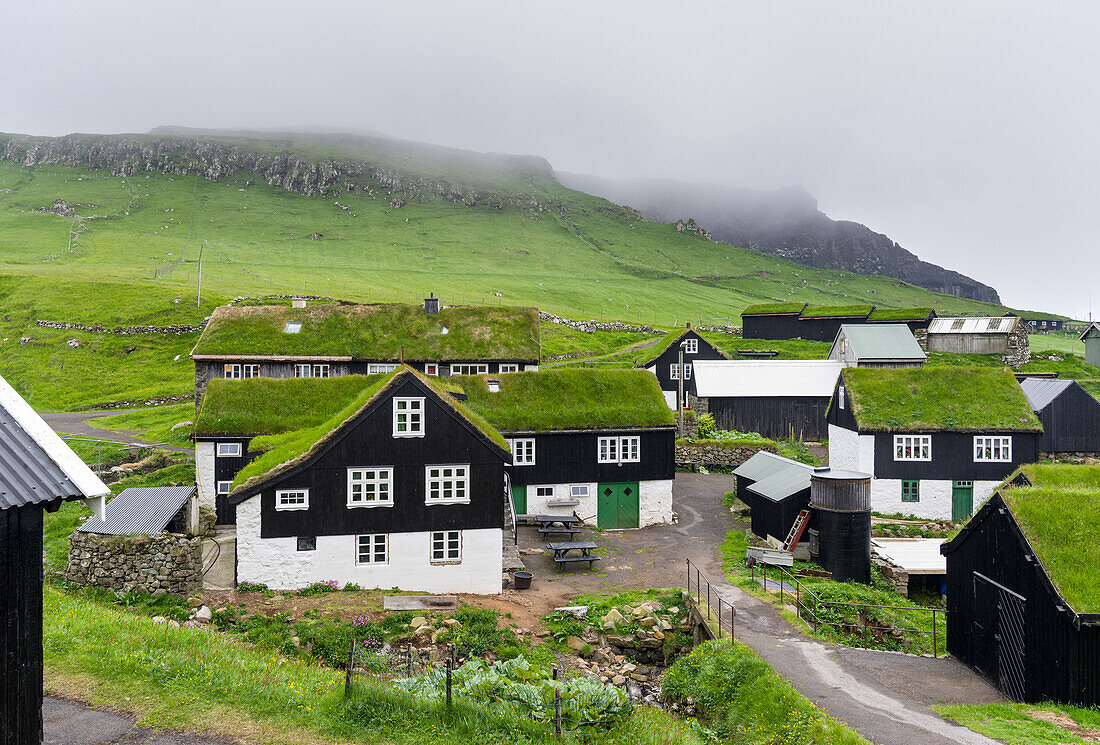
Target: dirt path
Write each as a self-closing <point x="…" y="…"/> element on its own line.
<point x="575" y="360"/>
<point x="883" y="695"/>
<point x="79" y="423"/>
<point x="71" y="723"/>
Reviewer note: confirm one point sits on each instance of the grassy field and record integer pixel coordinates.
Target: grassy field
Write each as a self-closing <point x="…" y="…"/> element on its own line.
<point x="1028" y="724"/>
<point x="153" y="425"/>
<point x="1055" y="342"/>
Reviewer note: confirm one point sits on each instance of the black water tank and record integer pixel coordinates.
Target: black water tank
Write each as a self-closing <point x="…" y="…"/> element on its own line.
<point x="841" y="505"/>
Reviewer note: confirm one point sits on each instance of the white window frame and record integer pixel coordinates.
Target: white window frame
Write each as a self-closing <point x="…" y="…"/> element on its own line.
<point x="509" y="367"/>
<point x="303" y="370"/>
<point x="691" y="346"/>
<point x="435" y="479"/>
<point x="916" y="446"/>
<point x="471" y="368"/>
<point x="409" y="409"/>
<point x="232" y="372"/>
<point x="222" y="488"/>
<point x="544" y="492"/>
<point x="840" y="397"/>
<point x="445" y="547"/>
<point x="383" y="477"/>
<point x="280" y="494"/>
<point x="250" y="371"/>
<point x="431" y="368"/>
<point x="228" y="450"/>
<point x="321" y="371"/>
<point x="619" y="449"/>
<point x="674" y="371"/>
<point x="579" y="491"/>
<point x="999" y="447"/>
<point x="523" y="451"/>
<point x="380" y="368"/>
<point x="373" y="542"/>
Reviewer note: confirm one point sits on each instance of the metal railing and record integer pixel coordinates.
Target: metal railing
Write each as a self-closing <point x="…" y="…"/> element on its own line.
<point x="809" y="607"/>
<point x="715" y="605"/>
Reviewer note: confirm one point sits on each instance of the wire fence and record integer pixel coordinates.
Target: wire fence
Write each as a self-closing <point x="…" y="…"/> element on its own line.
<point x="720" y="614"/>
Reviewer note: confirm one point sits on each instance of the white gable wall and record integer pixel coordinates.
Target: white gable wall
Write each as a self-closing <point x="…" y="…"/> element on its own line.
<point x="204" y="473"/>
<point x="935" y="497"/>
<point x="851" y="451"/>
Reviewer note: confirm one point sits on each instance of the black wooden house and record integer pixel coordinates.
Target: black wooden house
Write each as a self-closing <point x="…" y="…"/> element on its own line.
<point x="668" y="368"/>
<point x="1069" y="415"/>
<point x="775" y="489"/>
<point x="792" y="320"/>
<point x="1021" y="602"/>
<point x="37" y="472"/>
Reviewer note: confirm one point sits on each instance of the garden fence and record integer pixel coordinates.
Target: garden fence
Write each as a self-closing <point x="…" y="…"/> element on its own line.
<point x="709" y="602"/>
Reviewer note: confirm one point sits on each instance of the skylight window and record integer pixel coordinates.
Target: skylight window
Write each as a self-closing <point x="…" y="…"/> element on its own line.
<point x="293" y="327"/>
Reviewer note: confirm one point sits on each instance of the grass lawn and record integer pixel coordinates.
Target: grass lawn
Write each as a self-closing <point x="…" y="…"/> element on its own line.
<point x="1064" y="342"/>
<point x="1027" y="724"/>
<point x="559" y="340"/>
<point x="789" y="349"/>
<point x="153" y="425"/>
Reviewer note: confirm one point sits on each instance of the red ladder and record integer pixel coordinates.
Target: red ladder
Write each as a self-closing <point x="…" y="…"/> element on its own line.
<point x="796" y="530"/>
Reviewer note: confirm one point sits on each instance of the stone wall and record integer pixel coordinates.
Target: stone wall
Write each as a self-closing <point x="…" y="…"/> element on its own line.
<point x="718" y="453"/>
<point x="590" y="326"/>
<point x="162" y="564"/>
<point x="1088" y="459"/>
<point x="178" y="329"/>
<point x="1019" y="346"/>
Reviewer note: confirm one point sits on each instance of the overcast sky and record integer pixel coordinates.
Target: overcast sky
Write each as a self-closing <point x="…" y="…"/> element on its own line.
<point x="966" y="131"/>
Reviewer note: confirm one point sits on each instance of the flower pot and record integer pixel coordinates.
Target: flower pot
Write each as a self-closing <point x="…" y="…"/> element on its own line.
<point x="522" y="580"/>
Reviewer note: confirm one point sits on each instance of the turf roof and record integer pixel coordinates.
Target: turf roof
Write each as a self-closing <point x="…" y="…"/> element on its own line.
<point x="834" y="311"/>
<point x="1060" y="517"/>
<point x="569" y="399"/>
<point x="766" y="308"/>
<point x="922" y="399"/>
<point x="899" y="314"/>
<point x="672" y="337"/>
<point x="288" y="449"/>
<point x="373" y="332"/>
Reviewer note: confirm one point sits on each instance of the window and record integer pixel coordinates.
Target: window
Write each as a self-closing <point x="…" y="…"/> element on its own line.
<point x="840" y="398"/>
<point x="578" y="490"/>
<point x="546" y="492"/>
<point x="996" y="449"/>
<point x="408" y="417"/>
<point x="912" y="447"/>
<point x="674" y="371"/>
<point x="691" y="346"/>
<point x="619" y="450"/>
<point x="370" y="487"/>
<point x="307" y="543"/>
<point x="233" y="372"/>
<point x="223" y="487"/>
<point x="446" y="546"/>
<point x="372" y="549"/>
<point x="964" y="484"/>
<point x="378" y="368"/>
<point x="448" y="484"/>
<point x="303" y="371"/>
<point x="507" y="367"/>
<point x="250" y="371"/>
<point x="431" y="369"/>
<point x="469" y="369"/>
<point x="320" y="371"/>
<point x="843" y="345"/>
<point x="523" y="452"/>
<point x="292" y="499"/>
<point x="910" y="491"/>
<point x="229" y="450"/>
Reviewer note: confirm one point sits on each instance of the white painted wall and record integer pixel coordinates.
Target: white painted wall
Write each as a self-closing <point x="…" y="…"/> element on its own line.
<point x="540" y="505"/>
<point x="654" y="502"/>
<point x="204" y="473"/>
<point x="277" y="563"/>
<point x="935" y="497"/>
<point x="851" y="451"/>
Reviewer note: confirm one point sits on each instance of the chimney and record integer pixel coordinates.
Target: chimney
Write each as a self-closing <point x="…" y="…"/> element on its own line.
<point x="689" y="324"/>
<point x="297" y="302"/>
<point x="431" y="304"/>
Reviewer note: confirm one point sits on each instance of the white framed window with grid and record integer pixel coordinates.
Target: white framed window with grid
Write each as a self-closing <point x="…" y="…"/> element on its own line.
<point x="509" y="367"/>
<point x="292" y="499"/>
<point x="223" y="487"/>
<point x="408" y="417"/>
<point x="232" y="372"/>
<point x="545" y="492"/>
<point x="379" y="368"/>
<point x="523" y="451"/>
<point x="370" y="486"/>
<point x="446" y="546"/>
<point x="303" y="371"/>
<point x="691" y="346"/>
<point x="229" y="450"/>
<point x="250" y="371"/>
<point x="469" y="368"/>
<point x="320" y="371"/>
<point x="373" y="548"/>
<point x="674" y="370"/>
<point x="994" y="449"/>
<point x="579" y="491"/>
<point x="447" y="484"/>
<point x="912" y="447"/>
<point x="619" y="449"/>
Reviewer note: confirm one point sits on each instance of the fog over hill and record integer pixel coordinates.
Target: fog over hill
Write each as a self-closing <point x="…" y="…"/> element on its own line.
<point x="781" y="222"/>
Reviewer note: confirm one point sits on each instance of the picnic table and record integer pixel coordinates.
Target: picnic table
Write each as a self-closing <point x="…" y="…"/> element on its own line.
<point x="562" y="555"/>
<point x="570" y="524"/>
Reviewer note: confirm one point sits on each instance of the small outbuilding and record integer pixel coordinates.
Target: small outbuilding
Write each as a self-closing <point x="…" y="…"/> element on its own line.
<point x="1069" y="415"/>
<point x="1023" y="606"/>
<point x="1091" y="338"/>
<point x="775" y="398"/>
<point x="1002" y="335"/>
<point x="37" y="473"/>
<point x="877" y="345"/>
<point x="775" y="489"/>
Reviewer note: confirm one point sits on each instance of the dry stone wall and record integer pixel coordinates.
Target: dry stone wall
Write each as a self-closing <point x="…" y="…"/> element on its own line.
<point x="178" y="329"/>
<point x="168" y="563"/>
<point x="589" y="327"/>
<point x="718" y="453"/>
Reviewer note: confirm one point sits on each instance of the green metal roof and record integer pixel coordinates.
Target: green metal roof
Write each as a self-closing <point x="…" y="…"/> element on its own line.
<point x="764" y="465"/>
<point x="881" y="341"/>
<point x="792" y="479"/>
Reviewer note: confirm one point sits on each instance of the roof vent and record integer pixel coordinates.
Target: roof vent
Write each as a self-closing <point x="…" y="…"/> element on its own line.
<point x="431" y="304"/>
<point x="494" y="386"/>
<point x="293" y="327"/>
<point x="297" y="302"/>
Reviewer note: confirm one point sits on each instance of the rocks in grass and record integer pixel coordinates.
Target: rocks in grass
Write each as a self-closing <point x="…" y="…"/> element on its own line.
<point x="204" y="614"/>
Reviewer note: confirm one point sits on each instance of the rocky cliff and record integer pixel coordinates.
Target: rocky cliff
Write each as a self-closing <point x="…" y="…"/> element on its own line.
<point x="785" y="223"/>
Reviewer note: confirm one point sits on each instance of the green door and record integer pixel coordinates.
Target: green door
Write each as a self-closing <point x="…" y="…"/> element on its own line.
<point x="962" y="500"/>
<point x="519" y="499"/>
<point x="617" y="505"/>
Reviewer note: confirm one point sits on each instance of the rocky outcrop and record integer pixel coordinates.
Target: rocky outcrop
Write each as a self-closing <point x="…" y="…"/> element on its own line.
<point x="168" y="563"/>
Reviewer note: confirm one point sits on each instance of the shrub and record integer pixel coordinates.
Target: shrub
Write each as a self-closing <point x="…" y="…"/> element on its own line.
<point x="252" y="587"/>
<point x="320" y="588"/>
<point x="707" y="427"/>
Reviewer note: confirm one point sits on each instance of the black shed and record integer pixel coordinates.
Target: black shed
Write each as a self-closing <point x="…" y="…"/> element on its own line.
<point x="37" y="472"/>
<point x="1022" y="605"/>
<point x="1069" y="415"/>
<point x="776" y="489"/>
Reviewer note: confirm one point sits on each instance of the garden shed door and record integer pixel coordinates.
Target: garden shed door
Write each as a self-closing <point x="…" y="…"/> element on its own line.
<point x="617" y="505"/>
<point x="998" y="634"/>
<point x="519" y="499"/>
<point x="962" y="500"/>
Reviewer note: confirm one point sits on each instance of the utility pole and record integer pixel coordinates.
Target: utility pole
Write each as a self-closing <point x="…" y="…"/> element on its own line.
<point x="680" y="389"/>
<point x="198" y="297"/>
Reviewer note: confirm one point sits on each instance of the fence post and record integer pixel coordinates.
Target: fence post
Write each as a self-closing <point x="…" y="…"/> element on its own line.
<point x="689" y="575"/>
<point x="351" y="667"/>
<point x="448" y="683"/>
<point x="557" y="713"/>
<point x="934" y="633"/>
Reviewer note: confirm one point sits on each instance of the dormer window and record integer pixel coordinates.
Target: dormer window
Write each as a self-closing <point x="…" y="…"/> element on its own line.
<point x="691" y="346"/>
<point x="494" y="386"/>
<point x="408" y="417"/>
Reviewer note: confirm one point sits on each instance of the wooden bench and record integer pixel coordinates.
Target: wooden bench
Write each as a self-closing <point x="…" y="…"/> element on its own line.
<point x="562" y="560"/>
<point x="568" y="531"/>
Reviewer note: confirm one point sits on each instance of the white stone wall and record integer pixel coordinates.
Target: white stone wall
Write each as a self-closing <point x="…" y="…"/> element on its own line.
<point x="935" y="497"/>
<point x="277" y="563"/>
<point x="655" y="502"/>
<point x="204" y="473"/>
<point x="851" y="451"/>
<point x="540" y="505"/>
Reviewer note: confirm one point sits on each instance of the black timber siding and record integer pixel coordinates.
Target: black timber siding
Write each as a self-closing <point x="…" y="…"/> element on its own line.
<point x="776" y="518"/>
<point x="953" y="457"/>
<point x="564" y="458"/>
<point x="772" y="416"/>
<point x="226" y="468"/>
<point x="825" y="329"/>
<point x="817" y="329"/>
<point x="1071" y="423"/>
<point x="21" y="610"/>
<point x="671" y="356"/>
<point x="783" y="326"/>
<point x="841" y="417"/>
<point x="1061" y="662"/>
<point x="369" y="441"/>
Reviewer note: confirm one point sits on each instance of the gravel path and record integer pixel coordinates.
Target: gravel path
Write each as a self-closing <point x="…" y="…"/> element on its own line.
<point x="70" y="723"/>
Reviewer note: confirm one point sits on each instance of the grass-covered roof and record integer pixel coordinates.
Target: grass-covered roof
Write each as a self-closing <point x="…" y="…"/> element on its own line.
<point x="836" y="311"/>
<point x="290" y="448"/>
<point x="769" y="308"/>
<point x="899" y="314"/>
<point x="568" y="399"/>
<point x="373" y="332"/>
<point x="672" y="338"/>
<point x="922" y="399"/>
<point x="1059" y="515"/>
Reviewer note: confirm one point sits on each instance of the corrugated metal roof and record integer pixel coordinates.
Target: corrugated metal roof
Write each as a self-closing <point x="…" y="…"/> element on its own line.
<point x="140" y="511"/>
<point x="914" y="555"/>
<point x="881" y="341"/>
<point x="36" y="466"/>
<point x="771" y="378"/>
<point x="1091" y="332"/>
<point x="1041" y="392"/>
<point x="983" y="325"/>
<point x="763" y="465"/>
<point x="793" y="479"/>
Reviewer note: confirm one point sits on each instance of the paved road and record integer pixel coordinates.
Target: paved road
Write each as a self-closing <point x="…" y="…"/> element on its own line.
<point x="68" y="723"/>
<point x="79" y="423"/>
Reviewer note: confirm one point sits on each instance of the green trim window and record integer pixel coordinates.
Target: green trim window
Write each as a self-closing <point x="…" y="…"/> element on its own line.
<point x="910" y="490"/>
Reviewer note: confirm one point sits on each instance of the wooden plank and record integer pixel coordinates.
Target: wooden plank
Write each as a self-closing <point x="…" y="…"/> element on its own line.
<point x="419" y="602"/>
